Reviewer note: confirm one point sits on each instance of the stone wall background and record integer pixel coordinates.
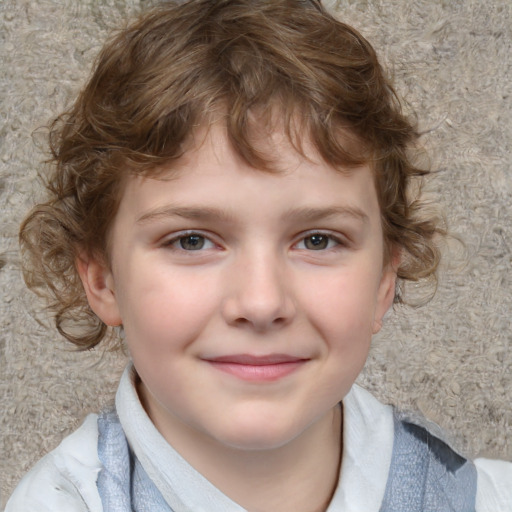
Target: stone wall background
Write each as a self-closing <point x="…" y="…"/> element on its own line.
<point x="450" y="360"/>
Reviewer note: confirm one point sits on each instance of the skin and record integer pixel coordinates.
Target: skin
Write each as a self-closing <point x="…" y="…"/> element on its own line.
<point x="249" y="300"/>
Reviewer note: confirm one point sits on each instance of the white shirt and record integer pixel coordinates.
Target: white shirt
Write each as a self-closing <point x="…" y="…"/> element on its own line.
<point x="65" y="479"/>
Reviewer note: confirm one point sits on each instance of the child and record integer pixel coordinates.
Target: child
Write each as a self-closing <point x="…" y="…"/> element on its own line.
<point x="233" y="192"/>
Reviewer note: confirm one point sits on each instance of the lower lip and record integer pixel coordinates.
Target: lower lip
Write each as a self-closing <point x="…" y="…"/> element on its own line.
<point x="258" y="373"/>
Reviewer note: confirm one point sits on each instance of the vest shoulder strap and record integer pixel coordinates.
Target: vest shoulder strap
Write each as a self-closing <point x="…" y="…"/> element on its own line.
<point x="123" y="484"/>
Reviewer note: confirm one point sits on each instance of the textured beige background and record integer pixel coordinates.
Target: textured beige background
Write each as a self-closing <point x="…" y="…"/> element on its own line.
<point x="451" y="359"/>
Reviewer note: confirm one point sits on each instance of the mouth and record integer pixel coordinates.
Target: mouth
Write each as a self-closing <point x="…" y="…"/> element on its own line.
<point x="266" y="368"/>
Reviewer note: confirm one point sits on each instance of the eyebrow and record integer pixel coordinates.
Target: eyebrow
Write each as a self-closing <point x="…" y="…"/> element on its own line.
<point x="322" y="213"/>
<point x="304" y="214"/>
<point x="186" y="212"/>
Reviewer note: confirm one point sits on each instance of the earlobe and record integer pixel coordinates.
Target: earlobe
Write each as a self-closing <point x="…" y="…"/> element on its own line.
<point x="98" y="284"/>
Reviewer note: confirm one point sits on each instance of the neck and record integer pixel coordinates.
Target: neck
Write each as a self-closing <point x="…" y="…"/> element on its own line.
<point x="300" y="476"/>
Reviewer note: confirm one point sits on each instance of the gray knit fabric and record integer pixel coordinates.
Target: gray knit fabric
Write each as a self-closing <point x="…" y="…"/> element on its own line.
<point x="426" y="475"/>
<point x="123" y="484"/>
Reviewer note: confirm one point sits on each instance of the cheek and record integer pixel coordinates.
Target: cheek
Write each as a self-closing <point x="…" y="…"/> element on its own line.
<point x="165" y="311"/>
<point x="342" y="306"/>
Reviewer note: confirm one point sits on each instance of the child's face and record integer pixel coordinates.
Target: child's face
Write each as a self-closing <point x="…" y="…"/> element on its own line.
<point x="248" y="298"/>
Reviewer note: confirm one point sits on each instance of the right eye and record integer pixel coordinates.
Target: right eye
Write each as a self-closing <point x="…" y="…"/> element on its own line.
<point x="190" y="242"/>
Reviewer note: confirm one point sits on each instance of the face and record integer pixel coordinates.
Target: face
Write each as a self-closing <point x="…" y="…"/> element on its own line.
<point x="248" y="299"/>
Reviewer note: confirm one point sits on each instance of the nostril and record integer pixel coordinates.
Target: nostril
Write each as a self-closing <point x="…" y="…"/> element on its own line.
<point x="259" y="324"/>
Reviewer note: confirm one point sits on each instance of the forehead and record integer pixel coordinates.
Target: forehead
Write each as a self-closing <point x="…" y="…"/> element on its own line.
<point x="285" y="148"/>
<point x="211" y="175"/>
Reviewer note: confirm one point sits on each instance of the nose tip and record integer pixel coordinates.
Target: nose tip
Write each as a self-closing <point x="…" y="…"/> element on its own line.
<point x="260" y="300"/>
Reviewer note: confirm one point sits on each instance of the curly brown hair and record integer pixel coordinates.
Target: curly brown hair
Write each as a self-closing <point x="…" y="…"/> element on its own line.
<point x="178" y="67"/>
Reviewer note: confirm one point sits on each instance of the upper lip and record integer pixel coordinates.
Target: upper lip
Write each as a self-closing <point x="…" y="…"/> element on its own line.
<point x="253" y="360"/>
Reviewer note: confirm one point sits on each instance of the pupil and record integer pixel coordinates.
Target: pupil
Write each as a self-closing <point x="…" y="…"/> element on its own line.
<point x="316" y="242"/>
<point x="192" y="242"/>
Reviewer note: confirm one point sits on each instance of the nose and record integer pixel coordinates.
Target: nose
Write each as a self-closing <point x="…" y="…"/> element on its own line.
<point x="259" y="293"/>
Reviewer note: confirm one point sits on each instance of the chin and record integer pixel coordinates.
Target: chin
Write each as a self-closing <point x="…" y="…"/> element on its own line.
<point x="257" y="442"/>
<point x="258" y="435"/>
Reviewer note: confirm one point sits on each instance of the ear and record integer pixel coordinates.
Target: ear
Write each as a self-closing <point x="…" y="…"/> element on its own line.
<point x="386" y="292"/>
<point x="98" y="283"/>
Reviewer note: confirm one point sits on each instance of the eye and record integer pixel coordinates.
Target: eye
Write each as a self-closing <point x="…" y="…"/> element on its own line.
<point x="190" y="242"/>
<point x="318" y="242"/>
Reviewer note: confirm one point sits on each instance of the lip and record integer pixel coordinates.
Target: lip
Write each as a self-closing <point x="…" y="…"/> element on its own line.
<point x="267" y="368"/>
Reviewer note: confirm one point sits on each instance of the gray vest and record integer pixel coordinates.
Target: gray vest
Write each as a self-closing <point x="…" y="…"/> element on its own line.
<point x="426" y="475"/>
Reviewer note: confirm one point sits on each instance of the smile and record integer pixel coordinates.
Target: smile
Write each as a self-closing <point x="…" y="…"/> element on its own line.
<point x="257" y="368"/>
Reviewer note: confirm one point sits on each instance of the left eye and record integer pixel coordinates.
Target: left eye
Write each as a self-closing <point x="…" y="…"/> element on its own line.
<point x="317" y="242"/>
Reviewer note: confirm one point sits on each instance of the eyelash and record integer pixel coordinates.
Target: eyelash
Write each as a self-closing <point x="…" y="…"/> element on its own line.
<point x="323" y="236"/>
